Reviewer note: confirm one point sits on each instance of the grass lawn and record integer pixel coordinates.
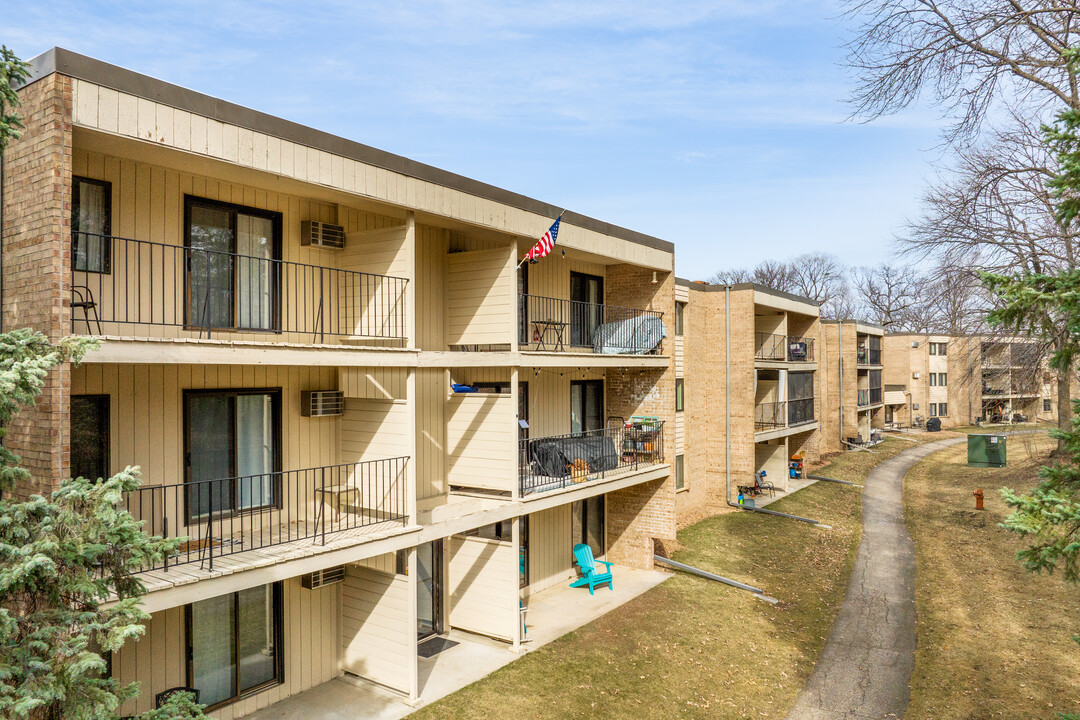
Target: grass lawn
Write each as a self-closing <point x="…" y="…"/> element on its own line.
<point x="994" y="639"/>
<point x="692" y="648"/>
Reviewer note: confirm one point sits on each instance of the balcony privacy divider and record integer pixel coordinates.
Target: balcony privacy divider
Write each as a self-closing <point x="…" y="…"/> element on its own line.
<point x="203" y="290"/>
<point x="234" y="515"/>
<point x="547" y="323"/>
<point x="559" y="461"/>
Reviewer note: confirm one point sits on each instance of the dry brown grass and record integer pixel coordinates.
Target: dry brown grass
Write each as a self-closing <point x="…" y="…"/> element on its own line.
<point x="994" y="639"/>
<point x="692" y="648"/>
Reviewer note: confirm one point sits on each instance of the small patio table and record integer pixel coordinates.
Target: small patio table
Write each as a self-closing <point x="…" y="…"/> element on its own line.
<point x="556" y="328"/>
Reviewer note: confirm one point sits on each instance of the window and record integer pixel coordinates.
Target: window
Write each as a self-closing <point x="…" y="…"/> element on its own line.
<point x="401" y="562"/>
<point x="1046" y="405"/>
<point x="679" y="390"/>
<point x="943" y="409"/>
<point x="933" y="379"/>
<point x="90" y="436"/>
<point x="586" y="406"/>
<point x="933" y="409"/>
<point x="587" y="524"/>
<point x="933" y="348"/>
<point x="680" y="476"/>
<point x="234" y="644"/>
<point x="943" y="379"/>
<point x="91" y="225"/>
<point x="800" y="385"/>
<point x="943" y="348"/>
<point x="232" y="450"/>
<point x="233" y="265"/>
<point x="680" y="311"/>
<point x="500" y="531"/>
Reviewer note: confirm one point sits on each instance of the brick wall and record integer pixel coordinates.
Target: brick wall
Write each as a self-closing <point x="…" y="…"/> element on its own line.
<point x="639" y="516"/>
<point x="37" y="198"/>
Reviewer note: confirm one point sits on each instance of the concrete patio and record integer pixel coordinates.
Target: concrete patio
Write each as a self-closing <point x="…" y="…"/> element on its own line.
<point x="552" y="613"/>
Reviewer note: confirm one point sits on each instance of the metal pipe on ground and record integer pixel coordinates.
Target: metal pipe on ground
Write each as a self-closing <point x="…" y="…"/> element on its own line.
<point x="827" y="479"/>
<point x="758" y="592"/>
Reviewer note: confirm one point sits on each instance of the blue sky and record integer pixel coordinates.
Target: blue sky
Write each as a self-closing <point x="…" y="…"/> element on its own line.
<point x="717" y="125"/>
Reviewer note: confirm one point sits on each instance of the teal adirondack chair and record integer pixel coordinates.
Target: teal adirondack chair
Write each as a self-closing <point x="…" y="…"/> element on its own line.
<point x="592" y="576"/>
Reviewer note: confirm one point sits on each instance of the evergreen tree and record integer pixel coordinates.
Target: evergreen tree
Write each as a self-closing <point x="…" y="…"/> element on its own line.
<point x="62" y="557"/>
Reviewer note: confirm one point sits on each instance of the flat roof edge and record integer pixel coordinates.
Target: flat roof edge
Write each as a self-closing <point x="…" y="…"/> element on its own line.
<point x="82" y="67"/>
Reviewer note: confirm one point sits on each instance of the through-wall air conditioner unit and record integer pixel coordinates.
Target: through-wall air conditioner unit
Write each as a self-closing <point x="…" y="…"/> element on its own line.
<point x="323" y="235"/>
<point x="322" y="578"/>
<point x="322" y="403"/>
<point x="914" y="343"/>
<point x="914" y="376"/>
<point x="914" y="406"/>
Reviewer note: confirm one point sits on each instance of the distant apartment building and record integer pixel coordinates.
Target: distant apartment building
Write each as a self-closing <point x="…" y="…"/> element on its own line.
<point x="961" y="379"/>
<point x="752" y="387"/>
<point x="369" y="425"/>
<point x="853" y="382"/>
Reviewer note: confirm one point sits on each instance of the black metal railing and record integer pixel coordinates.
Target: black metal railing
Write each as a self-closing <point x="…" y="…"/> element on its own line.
<point x="875" y="395"/>
<point x="864" y="397"/>
<point x="234" y="515"/>
<point x="559" y="461"/>
<point x="800" y="411"/>
<point x="868" y="356"/>
<point x="783" y="348"/>
<point x="770" y="415"/>
<point x="770" y="346"/>
<point x="546" y="323"/>
<point x="135" y="282"/>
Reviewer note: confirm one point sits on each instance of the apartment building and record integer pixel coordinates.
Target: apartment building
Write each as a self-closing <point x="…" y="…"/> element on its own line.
<point x="852" y="379"/>
<point x="752" y="387"/>
<point x="963" y="378"/>
<point x="368" y="423"/>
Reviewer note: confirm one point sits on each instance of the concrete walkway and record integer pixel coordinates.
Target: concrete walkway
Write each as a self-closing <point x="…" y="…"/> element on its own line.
<point x="865" y="669"/>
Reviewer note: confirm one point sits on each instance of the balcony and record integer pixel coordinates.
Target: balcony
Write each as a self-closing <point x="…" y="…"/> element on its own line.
<point x="557" y="325"/>
<point x="783" y="348"/>
<point x="784" y="414"/>
<point x="869" y="396"/>
<point x="194" y="292"/>
<point x="231" y="516"/>
<point x="868" y="356"/>
<point x="560" y="461"/>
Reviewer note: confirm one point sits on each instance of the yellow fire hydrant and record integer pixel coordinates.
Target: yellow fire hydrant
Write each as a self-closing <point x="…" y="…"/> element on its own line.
<point x="978" y="499"/>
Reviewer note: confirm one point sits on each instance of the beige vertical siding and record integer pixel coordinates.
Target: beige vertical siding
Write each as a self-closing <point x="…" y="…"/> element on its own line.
<point x="311" y="642"/>
<point x="481" y="441"/>
<point x="481" y="292"/>
<point x="375" y="253"/>
<point x="431" y="448"/>
<point x="550" y="548"/>
<point x="431" y="253"/>
<point x="373" y="383"/>
<point x="148" y="205"/>
<point x="374" y="429"/>
<point x="773" y="459"/>
<point x="147" y="419"/>
<point x="483" y="586"/>
<point x="378" y="637"/>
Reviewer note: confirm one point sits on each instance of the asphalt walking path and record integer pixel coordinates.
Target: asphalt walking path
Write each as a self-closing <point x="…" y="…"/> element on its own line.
<point x="865" y="669"/>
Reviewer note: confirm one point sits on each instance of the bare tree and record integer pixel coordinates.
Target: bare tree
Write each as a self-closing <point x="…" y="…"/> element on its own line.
<point x="969" y="56"/>
<point x="731" y="277"/>
<point x="890" y="293"/>
<point x="818" y="276"/>
<point x="774" y="274"/>
<point x="994" y="211"/>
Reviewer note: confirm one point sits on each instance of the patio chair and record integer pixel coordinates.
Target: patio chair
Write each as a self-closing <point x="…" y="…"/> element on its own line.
<point x="591" y="576"/>
<point x="761" y="484"/>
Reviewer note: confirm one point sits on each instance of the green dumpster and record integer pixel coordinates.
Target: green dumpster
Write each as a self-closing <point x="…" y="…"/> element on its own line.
<point x="986" y="451"/>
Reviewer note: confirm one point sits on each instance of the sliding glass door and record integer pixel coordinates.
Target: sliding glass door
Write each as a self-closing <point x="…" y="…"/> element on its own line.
<point x="235" y="644"/>
<point x="233" y="440"/>
<point x="586" y="307"/>
<point x="586" y="405"/>
<point x="233" y="274"/>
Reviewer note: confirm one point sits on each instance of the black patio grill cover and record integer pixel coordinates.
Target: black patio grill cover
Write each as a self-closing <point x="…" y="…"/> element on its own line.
<point x="553" y="456"/>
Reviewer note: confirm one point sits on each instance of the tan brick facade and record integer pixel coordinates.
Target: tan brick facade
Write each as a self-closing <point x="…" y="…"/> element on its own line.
<point x="37" y="197"/>
<point x="638" y="516"/>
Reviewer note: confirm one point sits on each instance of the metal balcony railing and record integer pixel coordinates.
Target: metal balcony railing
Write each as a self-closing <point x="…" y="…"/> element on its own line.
<point x="770" y="415"/>
<point x="868" y="356"/>
<point x="783" y="348"/>
<point x="800" y="411"/>
<point x="875" y="395"/>
<point x="559" y="461"/>
<point x="546" y="323"/>
<point x="864" y="397"/>
<point x="119" y="281"/>
<point x="234" y="515"/>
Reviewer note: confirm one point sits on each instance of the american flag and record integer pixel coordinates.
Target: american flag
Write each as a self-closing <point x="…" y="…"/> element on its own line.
<point x="546" y="243"/>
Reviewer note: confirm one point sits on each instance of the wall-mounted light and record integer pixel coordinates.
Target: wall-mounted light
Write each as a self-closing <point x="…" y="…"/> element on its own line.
<point x="653" y="277"/>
